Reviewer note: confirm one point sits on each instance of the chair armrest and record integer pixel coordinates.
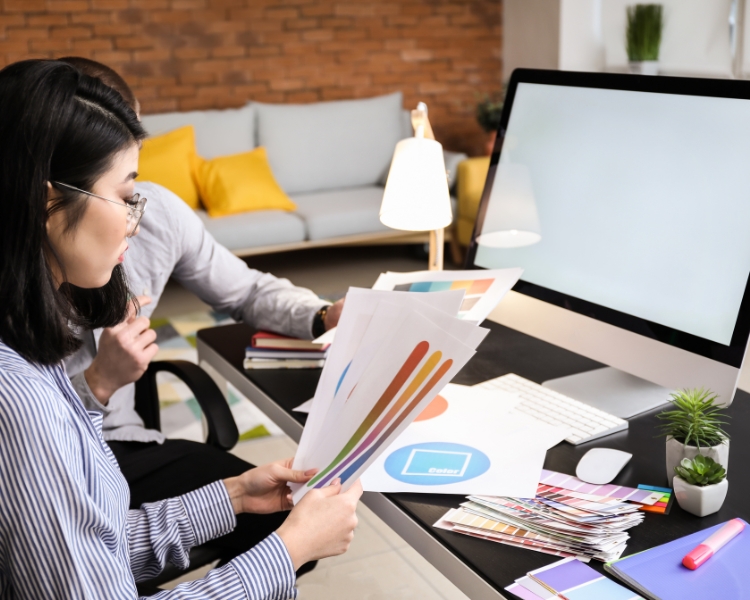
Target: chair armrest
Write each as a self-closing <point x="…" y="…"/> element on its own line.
<point x="222" y="430"/>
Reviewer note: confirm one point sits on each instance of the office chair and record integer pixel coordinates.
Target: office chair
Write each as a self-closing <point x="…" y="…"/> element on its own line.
<point x="222" y="433"/>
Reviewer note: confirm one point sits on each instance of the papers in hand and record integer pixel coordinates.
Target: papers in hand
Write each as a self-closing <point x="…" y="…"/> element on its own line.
<point x="393" y="353"/>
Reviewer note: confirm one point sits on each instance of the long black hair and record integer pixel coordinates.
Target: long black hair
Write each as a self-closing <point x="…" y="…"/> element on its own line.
<point x="56" y="124"/>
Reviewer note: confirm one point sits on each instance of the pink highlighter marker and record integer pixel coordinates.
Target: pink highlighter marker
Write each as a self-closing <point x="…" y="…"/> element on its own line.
<point x="700" y="554"/>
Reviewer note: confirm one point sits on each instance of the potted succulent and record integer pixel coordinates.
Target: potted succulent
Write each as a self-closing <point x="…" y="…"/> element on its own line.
<point x="488" y="114"/>
<point x="700" y="485"/>
<point x="643" y="37"/>
<point x="693" y="426"/>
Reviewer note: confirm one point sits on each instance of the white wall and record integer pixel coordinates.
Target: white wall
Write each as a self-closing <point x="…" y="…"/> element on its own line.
<point x="589" y="35"/>
<point x="695" y="39"/>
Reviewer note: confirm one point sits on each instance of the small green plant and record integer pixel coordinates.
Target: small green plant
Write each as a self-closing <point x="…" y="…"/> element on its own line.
<point x="643" y="34"/>
<point x="702" y="471"/>
<point x="695" y="419"/>
<point x="488" y="113"/>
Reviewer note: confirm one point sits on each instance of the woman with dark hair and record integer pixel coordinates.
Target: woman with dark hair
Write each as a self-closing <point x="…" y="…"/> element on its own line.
<point x="68" y="158"/>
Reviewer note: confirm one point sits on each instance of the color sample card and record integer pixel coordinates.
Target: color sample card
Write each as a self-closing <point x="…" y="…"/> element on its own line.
<point x="569" y="482"/>
<point x="573" y="580"/>
<point x="483" y="288"/>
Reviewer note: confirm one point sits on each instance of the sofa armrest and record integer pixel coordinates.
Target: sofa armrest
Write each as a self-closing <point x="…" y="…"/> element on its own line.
<point x="452" y="159"/>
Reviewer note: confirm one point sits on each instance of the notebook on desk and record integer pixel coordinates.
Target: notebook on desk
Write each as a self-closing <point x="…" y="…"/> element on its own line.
<point x="658" y="573"/>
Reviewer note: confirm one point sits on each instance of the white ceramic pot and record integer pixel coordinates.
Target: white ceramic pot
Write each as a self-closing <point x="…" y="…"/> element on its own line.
<point x="697" y="500"/>
<point x="644" y="67"/>
<point x="676" y="451"/>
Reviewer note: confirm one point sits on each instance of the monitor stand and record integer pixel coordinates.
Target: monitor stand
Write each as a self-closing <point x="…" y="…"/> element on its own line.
<point x="612" y="391"/>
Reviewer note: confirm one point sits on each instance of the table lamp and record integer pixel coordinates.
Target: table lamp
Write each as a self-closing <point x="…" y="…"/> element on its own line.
<point x="416" y="196"/>
<point x="512" y="220"/>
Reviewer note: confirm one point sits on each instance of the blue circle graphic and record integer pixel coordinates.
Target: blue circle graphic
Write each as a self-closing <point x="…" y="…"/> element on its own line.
<point x="436" y="463"/>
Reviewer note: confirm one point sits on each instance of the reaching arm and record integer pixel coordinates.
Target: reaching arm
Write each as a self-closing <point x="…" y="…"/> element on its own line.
<point x="225" y="282"/>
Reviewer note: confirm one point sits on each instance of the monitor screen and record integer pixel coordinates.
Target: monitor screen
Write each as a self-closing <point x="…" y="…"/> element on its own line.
<point x="629" y="200"/>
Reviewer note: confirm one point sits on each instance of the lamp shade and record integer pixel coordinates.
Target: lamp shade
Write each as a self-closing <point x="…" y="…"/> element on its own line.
<point x="512" y="219"/>
<point x="416" y="196"/>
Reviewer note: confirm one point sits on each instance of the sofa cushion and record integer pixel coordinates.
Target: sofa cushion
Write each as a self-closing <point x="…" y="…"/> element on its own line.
<point x="336" y="213"/>
<point x="217" y="132"/>
<point x="240" y="183"/>
<point x="330" y="145"/>
<point x="253" y="229"/>
<point x="170" y="160"/>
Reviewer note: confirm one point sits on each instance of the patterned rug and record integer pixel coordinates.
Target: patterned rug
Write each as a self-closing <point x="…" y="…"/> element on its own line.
<point x="181" y="416"/>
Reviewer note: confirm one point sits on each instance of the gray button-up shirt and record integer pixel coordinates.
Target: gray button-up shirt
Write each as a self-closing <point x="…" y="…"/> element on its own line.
<point x="173" y="242"/>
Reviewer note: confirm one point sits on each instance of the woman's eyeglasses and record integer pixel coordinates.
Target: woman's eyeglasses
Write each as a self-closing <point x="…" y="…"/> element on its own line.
<point x="136" y="206"/>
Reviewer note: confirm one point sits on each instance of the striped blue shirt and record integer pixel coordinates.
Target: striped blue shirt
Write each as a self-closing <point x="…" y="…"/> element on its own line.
<point x="65" y="527"/>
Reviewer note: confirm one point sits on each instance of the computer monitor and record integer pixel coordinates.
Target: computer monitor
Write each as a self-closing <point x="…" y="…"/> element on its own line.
<point x="626" y="200"/>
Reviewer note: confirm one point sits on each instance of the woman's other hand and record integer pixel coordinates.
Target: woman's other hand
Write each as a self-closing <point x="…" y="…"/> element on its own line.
<point x="264" y="490"/>
<point x="322" y="524"/>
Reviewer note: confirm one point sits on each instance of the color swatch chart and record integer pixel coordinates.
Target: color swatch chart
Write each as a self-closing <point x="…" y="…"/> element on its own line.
<point x="569" y="579"/>
<point x="474" y="289"/>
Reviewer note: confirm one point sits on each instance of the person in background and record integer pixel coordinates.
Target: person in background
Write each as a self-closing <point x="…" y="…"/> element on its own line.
<point x="68" y="160"/>
<point x="174" y="243"/>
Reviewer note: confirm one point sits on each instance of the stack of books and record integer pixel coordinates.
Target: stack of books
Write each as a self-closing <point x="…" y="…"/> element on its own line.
<point x="273" y="351"/>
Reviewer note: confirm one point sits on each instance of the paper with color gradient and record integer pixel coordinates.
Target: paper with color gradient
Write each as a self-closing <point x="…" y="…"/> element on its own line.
<point x="415" y="353"/>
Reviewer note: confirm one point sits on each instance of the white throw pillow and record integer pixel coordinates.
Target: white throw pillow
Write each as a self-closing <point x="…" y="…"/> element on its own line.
<point x="330" y="145"/>
<point x="217" y="132"/>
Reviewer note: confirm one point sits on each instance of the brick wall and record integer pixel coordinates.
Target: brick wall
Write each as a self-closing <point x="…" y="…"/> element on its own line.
<point x="196" y="54"/>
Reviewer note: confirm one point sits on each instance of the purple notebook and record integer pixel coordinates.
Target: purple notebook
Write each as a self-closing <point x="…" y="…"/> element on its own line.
<point x="658" y="573"/>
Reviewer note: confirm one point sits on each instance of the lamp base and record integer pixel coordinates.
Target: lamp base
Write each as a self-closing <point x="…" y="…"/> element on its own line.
<point x="437" y="246"/>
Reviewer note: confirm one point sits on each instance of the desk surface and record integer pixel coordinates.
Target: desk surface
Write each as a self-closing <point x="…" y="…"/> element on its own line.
<point x="508" y="351"/>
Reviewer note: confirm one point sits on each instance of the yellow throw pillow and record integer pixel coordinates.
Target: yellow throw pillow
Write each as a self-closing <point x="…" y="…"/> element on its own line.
<point x="240" y="183"/>
<point x="172" y="161"/>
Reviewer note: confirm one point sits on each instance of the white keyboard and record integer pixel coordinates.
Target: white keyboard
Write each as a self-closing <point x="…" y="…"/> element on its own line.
<point x="587" y="422"/>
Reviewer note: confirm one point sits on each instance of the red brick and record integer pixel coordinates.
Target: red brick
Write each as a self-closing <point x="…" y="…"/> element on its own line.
<point x="318" y="35"/>
<point x="67" y="5"/>
<point x="26" y="33"/>
<point x="93" y="44"/>
<point x="355" y="9"/>
<point x="70" y="33"/>
<point x="26" y="6"/>
<point x="109" y="4"/>
<point x="188" y="4"/>
<point x="228" y="52"/>
<point x="280" y="13"/>
<point x="40" y="20"/>
<point x="133" y="43"/>
<point x="57" y="46"/>
<point x="90" y="18"/>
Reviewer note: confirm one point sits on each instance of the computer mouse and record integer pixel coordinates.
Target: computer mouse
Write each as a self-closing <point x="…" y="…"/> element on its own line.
<point x="601" y="465"/>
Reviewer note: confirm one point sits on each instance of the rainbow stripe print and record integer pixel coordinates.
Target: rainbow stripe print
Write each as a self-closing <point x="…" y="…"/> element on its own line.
<point x="474" y="290"/>
<point x="387" y="414"/>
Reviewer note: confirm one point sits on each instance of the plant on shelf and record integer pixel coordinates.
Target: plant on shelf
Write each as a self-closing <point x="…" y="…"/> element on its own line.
<point x="700" y="485"/>
<point x="694" y="425"/>
<point x="700" y="471"/>
<point x="643" y="37"/>
<point x="489" y="111"/>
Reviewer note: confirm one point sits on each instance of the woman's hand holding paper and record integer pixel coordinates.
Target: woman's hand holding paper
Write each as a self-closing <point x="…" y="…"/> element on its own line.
<point x="264" y="490"/>
<point x="322" y="524"/>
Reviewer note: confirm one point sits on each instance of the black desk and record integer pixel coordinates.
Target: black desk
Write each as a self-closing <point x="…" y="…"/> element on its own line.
<point x="478" y="567"/>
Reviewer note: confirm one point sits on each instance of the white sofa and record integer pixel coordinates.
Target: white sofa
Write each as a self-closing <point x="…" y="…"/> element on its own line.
<point x="331" y="158"/>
